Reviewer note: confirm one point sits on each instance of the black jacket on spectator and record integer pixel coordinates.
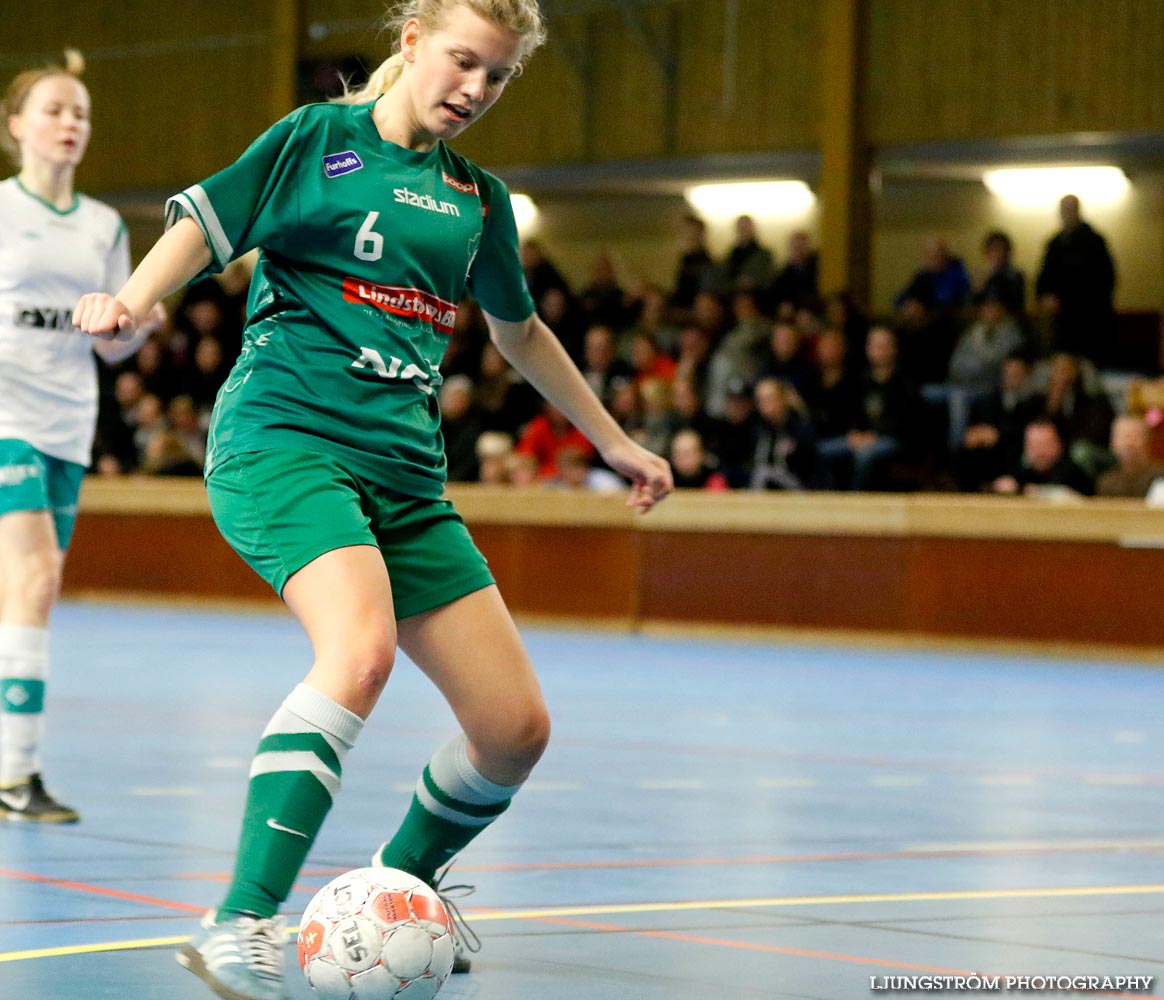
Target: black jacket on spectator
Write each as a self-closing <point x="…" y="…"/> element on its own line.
<point x="1063" y="473"/>
<point x="830" y="408"/>
<point x="783" y="455"/>
<point x="1007" y="285"/>
<point x="887" y="408"/>
<point x="695" y="274"/>
<point x="795" y="283"/>
<point x="1078" y="270"/>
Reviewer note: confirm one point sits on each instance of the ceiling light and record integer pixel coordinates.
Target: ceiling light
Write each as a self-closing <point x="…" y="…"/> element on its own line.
<point x="525" y="212"/>
<point x="1039" y="186"/>
<point x="760" y="199"/>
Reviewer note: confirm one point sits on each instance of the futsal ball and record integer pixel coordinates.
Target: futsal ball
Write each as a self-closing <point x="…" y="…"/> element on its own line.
<point x="376" y="934"/>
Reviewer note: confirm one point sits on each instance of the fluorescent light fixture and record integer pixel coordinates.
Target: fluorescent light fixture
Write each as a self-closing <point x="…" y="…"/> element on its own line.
<point x="525" y="212"/>
<point x="756" y="198"/>
<point x="1037" y="186"/>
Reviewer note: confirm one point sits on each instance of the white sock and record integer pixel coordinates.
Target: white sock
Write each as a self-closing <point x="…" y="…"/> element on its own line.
<point x="23" y="669"/>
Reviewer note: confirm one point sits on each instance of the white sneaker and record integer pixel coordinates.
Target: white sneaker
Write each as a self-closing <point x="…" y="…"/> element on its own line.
<point x="240" y="958"/>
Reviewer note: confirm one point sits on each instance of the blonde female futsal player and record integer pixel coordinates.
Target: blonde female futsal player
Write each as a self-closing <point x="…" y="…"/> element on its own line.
<point x="325" y="467"/>
<point x="54" y="245"/>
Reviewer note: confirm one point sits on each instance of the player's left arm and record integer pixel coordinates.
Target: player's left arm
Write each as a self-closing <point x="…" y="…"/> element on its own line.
<point x="531" y="347"/>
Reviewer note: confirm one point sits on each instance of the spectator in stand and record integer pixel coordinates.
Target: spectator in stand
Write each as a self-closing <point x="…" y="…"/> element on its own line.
<point x="993" y="441"/>
<point x="1076" y="287"/>
<point x="460" y="428"/>
<point x="205" y="379"/>
<point x="493" y="451"/>
<point x="832" y="391"/>
<point x="205" y="310"/>
<point x="154" y="368"/>
<point x="166" y="455"/>
<point x="604" y="301"/>
<point x="783" y="441"/>
<point x="881" y="422"/>
<point x="522" y="469"/>
<point x="647" y="360"/>
<point x="626" y="407"/>
<point x="734" y="441"/>
<point x="941" y="283"/>
<point x="129" y="391"/>
<point x="653" y="321"/>
<point x="740" y="354"/>
<point x="976" y="364"/>
<point x="183" y="419"/>
<point x="1084" y="418"/>
<point x="926" y="340"/>
<point x="576" y="473"/>
<point x="710" y="316"/>
<point x="796" y="282"/>
<point x="843" y="314"/>
<point x="1044" y="464"/>
<point x="696" y="271"/>
<point x="505" y="401"/>
<point x="785" y="358"/>
<point x="1000" y="279"/>
<point x="563" y="316"/>
<point x="692" y="467"/>
<point x="151" y="420"/>
<point x="1135" y="470"/>
<point x="694" y="358"/>
<point x="749" y="265"/>
<point x="463" y="351"/>
<point x="601" y="364"/>
<point x="658" y="419"/>
<point x="687" y="413"/>
<point x="540" y="272"/>
<point x="546" y="435"/>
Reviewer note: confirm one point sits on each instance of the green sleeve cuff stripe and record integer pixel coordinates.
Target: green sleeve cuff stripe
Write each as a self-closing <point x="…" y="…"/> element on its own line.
<point x="22" y="696"/>
<point x="195" y="203"/>
<point x="313" y="743"/>
<point x="456" y="805"/>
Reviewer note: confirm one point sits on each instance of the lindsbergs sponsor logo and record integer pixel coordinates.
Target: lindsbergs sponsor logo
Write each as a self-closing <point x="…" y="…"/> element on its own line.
<point x="409" y="303"/>
<point x="465" y="187"/>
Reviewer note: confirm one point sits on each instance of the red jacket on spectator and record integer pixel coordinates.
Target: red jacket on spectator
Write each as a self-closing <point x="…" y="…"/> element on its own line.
<point x="546" y="435"/>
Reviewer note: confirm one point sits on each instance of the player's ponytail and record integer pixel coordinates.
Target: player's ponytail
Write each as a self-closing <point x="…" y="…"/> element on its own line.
<point x="73" y="65"/>
<point x="522" y="17"/>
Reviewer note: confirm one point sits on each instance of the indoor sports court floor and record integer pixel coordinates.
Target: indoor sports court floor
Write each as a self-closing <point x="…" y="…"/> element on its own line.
<point x="712" y="820"/>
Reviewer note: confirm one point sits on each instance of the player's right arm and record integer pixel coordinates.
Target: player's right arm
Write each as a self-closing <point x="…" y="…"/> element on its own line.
<point x="180" y="255"/>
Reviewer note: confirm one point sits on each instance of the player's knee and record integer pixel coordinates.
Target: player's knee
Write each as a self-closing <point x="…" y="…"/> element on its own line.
<point x="36" y="582"/>
<point x="524" y="737"/>
<point x="367" y="661"/>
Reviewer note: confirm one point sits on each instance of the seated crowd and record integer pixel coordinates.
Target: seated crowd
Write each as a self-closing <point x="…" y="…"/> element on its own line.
<point x="740" y="374"/>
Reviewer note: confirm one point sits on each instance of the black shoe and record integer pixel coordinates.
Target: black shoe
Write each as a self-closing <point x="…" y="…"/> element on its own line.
<point x="28" y="802"/>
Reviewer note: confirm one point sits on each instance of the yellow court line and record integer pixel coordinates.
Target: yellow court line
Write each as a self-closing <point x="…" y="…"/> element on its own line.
<point x="704" y="904"/>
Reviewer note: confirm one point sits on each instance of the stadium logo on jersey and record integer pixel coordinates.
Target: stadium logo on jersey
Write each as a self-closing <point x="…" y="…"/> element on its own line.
<point x="465" y="187"/>
<point x="44" y="318"/>
<point x="338" y="164"/>
<point x="409" y="303"/>
<point x="426" y="201"/>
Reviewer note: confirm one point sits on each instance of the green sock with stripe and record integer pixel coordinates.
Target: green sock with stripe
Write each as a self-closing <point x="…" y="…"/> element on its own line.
<point x="294" y="777"/>
<point x="453" y="802"/>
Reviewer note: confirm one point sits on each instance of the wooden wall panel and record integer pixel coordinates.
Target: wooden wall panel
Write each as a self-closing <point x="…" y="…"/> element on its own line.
<point x="785" y="580"/>
<point x="950" y="69"/>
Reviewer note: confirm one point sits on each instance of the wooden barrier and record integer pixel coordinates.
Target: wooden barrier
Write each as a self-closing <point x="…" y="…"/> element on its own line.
<point x="976" y="567"/>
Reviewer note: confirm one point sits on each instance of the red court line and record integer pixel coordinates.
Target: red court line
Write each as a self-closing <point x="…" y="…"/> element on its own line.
<point x="96" y="890"/>
<point x="755" y="859"/>
<point x="798" y="952"/>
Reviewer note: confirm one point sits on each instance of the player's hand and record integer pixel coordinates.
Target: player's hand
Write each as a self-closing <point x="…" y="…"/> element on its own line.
<point x="101" y="315"/>
<point x="650" y="475"/>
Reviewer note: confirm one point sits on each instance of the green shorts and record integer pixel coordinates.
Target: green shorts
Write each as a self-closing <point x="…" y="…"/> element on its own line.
<point x="32" y="480"/>
<point x="281" y="509"/>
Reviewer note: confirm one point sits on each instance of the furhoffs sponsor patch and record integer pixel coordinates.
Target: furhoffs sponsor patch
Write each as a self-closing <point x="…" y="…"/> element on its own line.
<point x="337" y="164"/>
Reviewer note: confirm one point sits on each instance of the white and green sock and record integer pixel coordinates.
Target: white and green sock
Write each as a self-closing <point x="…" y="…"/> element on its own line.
<point x="294" y="777"/>
<point x="453" y="802"/>
<point x="23" y="669"/>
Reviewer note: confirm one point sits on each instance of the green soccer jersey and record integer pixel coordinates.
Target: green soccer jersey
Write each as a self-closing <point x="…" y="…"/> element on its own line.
<point x="366" y="249"/>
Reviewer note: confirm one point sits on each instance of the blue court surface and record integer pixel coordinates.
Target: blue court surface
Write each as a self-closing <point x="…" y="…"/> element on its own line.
<point x="712" y="819"/>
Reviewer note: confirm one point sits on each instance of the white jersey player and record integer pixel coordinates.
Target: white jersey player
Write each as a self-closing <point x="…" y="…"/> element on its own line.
<point x="54" y="246"/>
